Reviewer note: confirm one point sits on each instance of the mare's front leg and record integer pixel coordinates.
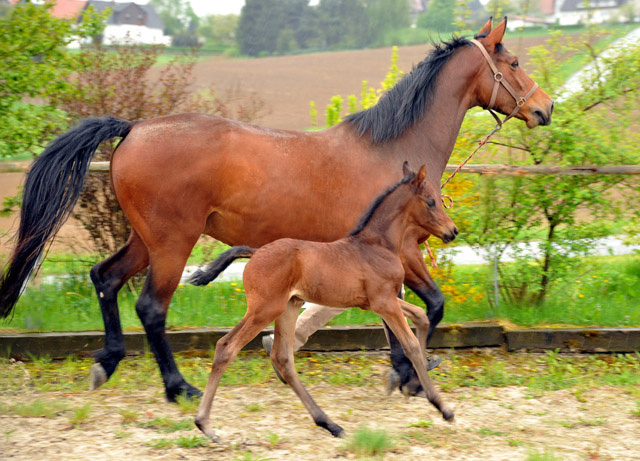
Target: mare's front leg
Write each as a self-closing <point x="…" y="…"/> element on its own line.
<point x="417" y="278"/>
<point x="403" y="375"/>
<point x="391" y="312"/>
<point x="282" y="359"/>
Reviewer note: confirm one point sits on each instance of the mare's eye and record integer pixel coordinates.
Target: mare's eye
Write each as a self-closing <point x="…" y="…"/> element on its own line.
<point x="515" y="64"/>
<point x="431" y="202"/>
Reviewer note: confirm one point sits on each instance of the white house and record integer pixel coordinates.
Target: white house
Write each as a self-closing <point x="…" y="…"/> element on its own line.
<point x="131" y="23"/>
<point x="572" y="12"/>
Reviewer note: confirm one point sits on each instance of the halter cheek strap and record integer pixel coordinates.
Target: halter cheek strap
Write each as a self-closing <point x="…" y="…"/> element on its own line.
<point x="498" y="78"/>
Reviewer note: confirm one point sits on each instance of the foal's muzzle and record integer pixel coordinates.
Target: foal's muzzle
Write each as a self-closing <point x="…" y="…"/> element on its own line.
<point x="450" y="236"/>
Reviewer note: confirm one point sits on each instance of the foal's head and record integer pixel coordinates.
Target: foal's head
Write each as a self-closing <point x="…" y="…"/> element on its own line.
<point x="425" y="207"/>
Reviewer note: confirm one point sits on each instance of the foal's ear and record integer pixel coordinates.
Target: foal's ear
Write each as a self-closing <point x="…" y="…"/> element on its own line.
<point x="495" y="36"/>
<point x="422" y="172"/>
<point x="486" y="29"/>
<point x="406" y="171"/>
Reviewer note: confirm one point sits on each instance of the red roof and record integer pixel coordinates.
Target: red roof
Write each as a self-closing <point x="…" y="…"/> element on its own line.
<point x="68" y="9"/>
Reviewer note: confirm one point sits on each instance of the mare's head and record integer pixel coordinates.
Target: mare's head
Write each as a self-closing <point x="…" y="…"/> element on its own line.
<point x="425" y="207"/>
<point x="537" y="108"/>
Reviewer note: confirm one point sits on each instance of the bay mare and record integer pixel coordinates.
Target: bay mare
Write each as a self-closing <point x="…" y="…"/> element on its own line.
<point x="181" y="176"/>
<point x="362" y="269"/>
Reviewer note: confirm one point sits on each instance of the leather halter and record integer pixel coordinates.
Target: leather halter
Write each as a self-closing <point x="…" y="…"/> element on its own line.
<point x="499" y="79"/>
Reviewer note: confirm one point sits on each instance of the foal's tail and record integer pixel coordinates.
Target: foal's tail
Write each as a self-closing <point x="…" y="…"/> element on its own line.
<point x="51" y="190"/>
<point x="202" y="277"/>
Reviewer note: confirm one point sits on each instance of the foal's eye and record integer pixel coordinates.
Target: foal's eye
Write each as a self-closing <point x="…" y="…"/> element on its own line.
<point x="515" y="64"/>
<point x="431" y="203"/>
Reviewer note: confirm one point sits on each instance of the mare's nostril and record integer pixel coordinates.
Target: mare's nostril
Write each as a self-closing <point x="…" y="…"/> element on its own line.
<point x="540" y="115"/>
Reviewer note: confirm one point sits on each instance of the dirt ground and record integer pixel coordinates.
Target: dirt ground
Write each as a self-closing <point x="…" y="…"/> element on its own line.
<point x="268" y="422"/>
<point x="287" y="84"/>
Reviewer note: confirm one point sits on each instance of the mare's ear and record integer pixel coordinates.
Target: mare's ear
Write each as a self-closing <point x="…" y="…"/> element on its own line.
<point x="406" y="171"/>
<point x="495" y="36"/>
<point x="486" y="29"/>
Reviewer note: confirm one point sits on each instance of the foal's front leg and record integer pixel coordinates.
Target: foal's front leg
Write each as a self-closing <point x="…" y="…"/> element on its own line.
<point x="419" y="318"/>
<point x="282" y="359"/>
<point x="391" y="312"/>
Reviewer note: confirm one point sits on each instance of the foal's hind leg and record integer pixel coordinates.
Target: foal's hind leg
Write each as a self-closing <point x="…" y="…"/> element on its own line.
<point x="227" y="347"/>
<point x="282" y="359"/>
<point x="108" y="278"/>
<point x="392" y="315"/>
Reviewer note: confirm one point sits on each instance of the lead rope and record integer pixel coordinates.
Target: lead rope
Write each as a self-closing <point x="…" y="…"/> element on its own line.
<point x="446" y="205"/>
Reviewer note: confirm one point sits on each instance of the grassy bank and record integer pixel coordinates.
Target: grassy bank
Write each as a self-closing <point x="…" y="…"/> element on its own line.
<point x="604" y="293"/>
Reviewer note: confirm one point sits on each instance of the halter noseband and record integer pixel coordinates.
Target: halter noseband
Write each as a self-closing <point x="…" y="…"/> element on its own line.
<point x="498" y="78"/>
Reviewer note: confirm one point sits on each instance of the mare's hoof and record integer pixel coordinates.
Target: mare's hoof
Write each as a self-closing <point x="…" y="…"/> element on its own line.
<point x="433" y="361"/>
<point x="267" y="343"/>
<point x="448" y="415"/>
<point x="185" y="389"/>
<point x="97" y="376"/>
<point x="394" y="381"/>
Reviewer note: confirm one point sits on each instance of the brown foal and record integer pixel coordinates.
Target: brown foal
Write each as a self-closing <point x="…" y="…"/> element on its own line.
<point x="363" y="269"/>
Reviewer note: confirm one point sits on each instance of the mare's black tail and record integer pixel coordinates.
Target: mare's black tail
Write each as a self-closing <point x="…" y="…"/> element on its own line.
<point x="202" y="277"/>
<point x="51" y="190"/>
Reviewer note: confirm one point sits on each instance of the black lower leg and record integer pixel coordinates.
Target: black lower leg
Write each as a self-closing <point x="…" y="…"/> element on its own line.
<point x="405" y="375"/>
<point x="114" y="350"/>
<point x="153" y="319"/>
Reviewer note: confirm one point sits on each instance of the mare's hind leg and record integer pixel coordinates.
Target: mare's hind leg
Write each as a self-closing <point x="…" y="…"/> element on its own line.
<point x="108" y="278"/>
<point x="257" y="317"/>
<point x="282" y="359"/>
<point x="165" y="270"/>
<point x="391" y="312"/>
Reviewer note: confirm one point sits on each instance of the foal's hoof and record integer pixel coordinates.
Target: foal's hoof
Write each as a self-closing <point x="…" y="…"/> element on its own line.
<point x="267" y="343"/>
<point x="335" y="430"/>
<point x="206" y="430"/>
<point x="97" y="376"/>
<point x="448" y="415"/>
<point x="185" y="389"/>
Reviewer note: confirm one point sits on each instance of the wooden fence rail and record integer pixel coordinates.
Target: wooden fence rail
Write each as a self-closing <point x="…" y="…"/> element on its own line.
<point x="497" y="169"/>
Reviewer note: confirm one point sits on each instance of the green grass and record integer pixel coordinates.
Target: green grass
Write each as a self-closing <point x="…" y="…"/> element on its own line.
<point x="538" y="373"/>
<point x="168" y="425"/>
<point x="80" y="415"/>
<point x="604" y="293"/>
<point x="367" y="442"/>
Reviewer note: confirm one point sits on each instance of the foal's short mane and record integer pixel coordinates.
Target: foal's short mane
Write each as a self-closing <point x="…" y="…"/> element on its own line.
<point x="366" y="217"/>
<point x="405" y="103"/>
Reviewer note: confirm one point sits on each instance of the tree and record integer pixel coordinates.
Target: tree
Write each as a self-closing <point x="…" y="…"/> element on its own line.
<point x="34" y="66"/>
<point x="180" y="21"/>
<point x="595" y="126"/>
<point x="262" y="22"/>
<point x="439" y="16"/>
<point x="221" y="29"/>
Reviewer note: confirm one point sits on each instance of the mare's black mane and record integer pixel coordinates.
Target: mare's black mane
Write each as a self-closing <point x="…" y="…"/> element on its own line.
<point x="366" y="217"/>
<point x="405" y="103"/>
